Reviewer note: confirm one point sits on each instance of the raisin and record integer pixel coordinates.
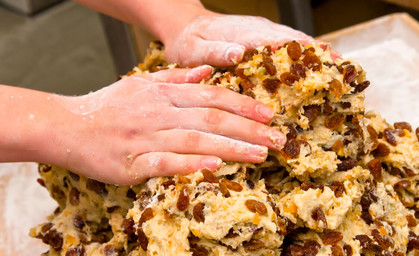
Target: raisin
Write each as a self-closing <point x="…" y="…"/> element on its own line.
<point x="46" y="227"/>
<point x="333" y="121"/>
<point x="292" y="133"/>
<point x="388" y="135"/>
<point x="54" y="239"/>
<point x="381" y="150"/>
<point x="232" y="185"/>
<point x="145" y="216"/>
<point x="144" y="199"/>
<point x="318" y="215"/>
<point x="385" y="243"/>
<point x="78" y="222"/>
<point x="271" y="85"/>
<point x="295" y="250"/>
<point x="97" y="187"/>
<point x="348" y="250"/>
<point x="41" y="182"/>
<point x="409" y="172"/>
<point x="367" y="243"/>
<point x="76" y="251"/>
<point x="74" y="176"/>
<point x="198" y="212"/>
<point x="112" y="208"/>
<point x="312" y="61"/>
<point x="331" y="238"/>
<point x="294" y="50"/>
<point x="291" y="148"/>
<point x="128" y="226"/>
<point x="249" y="53"/>
<point x="250" y="184"/>
<point x="349" y="74"/>
<point x="375" y="168"/>
<point x="183" y="199"/>
<point x="288" y="78"/>
<point x="366" y="216"/>
<point x="403" y="184"/>
<point x="311" y="248"/>
<point x="199" y="250"/>
<point x="413" y="242"/>
<point x="74" y="196"/>
<point x="57" y="193"/>
<point x="253" y="245"/>
<point x="209" y="176"/>
<point x="345" y="105"/>
<point x="44" y="168"/>
<point x="347" y="164"/>
<point x="224" y="190"/>
<point x="336" y="88"/>
<point x="311" y="112"/>
<point x="338" y="188"/>
<point x="256" y="206"/>
<point x="411" y="221"/>
<point x="142" y="239"/>
<point x="245" y="82"/>
<point x="403" y="125"/>
<point x="336" y="250"/>
<point x="110" y="250"/>
<point x="417" y="133"/>
<point x="361" y="86"/>
<point x="298" y="70"/>
<point x="168" y="183"/>
<point x="231" y="234"/>
<point x="306" y="185"/>
<point x="268" y="65"/>
<point x="131" y="194"/>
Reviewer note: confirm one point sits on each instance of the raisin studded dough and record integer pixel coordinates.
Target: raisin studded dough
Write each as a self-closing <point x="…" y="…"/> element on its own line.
<point x="346" y="182"/>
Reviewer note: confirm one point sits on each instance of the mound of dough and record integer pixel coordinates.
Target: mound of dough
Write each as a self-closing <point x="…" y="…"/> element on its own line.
<point x="346" y="182"/>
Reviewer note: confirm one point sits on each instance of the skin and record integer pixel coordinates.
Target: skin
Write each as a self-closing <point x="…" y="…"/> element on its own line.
<point x="156" y="124"/>
<point x="138" y="127"/>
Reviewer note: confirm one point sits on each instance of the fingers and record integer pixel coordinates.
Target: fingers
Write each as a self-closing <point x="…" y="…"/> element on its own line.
<point x="223" y="123"/>
<point x="195" y="142"/>
<point x="206" y="96"/>
<point x="194" y="75"/>
<point x="216" y="53"/>
<point x="168" y="164"/>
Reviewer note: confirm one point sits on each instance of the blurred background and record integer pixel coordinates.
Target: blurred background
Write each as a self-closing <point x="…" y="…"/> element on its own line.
<point x="62" y="47"/>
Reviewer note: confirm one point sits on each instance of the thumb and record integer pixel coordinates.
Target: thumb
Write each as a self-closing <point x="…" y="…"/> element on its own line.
<point x="215" y="53"/>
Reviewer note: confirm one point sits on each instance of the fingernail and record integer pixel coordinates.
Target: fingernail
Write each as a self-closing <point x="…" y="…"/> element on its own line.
<point x="212" y="163"/>
<point x="265" y="112"/>
<point x="199" y="73"/>
<point x="277" y="138"/>
<point x="235" y="53"/>
<point x="260" y="152"/>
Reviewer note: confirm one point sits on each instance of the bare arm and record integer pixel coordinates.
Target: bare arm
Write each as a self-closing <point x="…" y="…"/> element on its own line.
<point x="195" y="36"/>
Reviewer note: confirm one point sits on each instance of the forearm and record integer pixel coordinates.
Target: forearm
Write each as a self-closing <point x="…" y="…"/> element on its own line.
<point x="30" y="120"/>
<point x="159" y="17"/>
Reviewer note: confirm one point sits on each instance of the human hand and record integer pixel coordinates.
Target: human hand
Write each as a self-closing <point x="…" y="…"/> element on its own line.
<point x="145" y="126"/>
<point x="217" y="39"/>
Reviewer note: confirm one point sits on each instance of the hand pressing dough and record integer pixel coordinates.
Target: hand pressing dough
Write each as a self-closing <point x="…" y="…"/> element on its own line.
<point x="346" y="182"/>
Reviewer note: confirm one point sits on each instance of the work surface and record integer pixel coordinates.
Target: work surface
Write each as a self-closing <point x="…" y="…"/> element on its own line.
<point x="389" y="58"/>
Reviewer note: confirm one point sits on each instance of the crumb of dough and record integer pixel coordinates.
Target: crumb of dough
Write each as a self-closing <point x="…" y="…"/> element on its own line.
<point x="345" y="183"/>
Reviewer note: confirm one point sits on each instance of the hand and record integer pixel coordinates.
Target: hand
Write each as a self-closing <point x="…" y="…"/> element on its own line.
<point x="144" y="126"/>
<point x="217" y="40"/>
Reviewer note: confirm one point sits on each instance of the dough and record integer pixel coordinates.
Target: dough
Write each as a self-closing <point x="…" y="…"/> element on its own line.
<point x="346" y="182"/>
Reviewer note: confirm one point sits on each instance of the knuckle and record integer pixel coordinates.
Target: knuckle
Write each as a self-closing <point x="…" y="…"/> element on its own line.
<point x="192" y="139"/>
<point x="213" y="117"/>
